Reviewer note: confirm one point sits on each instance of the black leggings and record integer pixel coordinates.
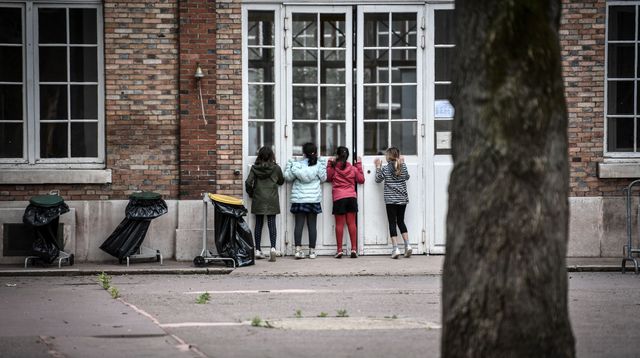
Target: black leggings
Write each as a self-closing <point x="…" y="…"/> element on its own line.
<point x="395" y="215"/>
<point x="311" y="224"/>
<point x="271" y="222"/>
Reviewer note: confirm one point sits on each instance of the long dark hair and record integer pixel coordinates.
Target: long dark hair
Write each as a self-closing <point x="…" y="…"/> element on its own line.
<point x="342" y="154"/>
<point x="310" y="151"/>
<point x="265" y="155"/>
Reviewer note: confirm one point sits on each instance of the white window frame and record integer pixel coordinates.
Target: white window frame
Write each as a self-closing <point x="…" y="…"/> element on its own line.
<point x="31" y="142"/>
<point x="635" y="155"/>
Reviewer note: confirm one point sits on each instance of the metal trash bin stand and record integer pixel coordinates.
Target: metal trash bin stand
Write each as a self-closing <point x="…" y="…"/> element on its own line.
<point x="43" y="214"/>
<point x="233" y="237"/>
<point x="125" y="243"/>
<point x="628" y="250"/>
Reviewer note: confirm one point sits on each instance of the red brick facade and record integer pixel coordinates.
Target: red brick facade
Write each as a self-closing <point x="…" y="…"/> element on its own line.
<point x="156" y="138"/>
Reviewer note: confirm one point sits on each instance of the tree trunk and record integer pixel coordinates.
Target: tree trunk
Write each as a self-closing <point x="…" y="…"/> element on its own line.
<point x="505" y="279"/>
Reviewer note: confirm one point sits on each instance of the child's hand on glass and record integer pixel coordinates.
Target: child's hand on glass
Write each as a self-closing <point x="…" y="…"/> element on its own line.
<point x="358" y="159"/>
<point x="378" y="163"/>
<point x="400" y="159"/>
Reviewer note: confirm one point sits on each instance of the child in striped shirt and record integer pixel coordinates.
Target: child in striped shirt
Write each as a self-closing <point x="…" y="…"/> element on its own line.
<point x="395" y="176"/>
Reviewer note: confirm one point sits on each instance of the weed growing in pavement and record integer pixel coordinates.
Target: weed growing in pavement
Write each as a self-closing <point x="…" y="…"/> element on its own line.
<point x="342" y="313"/>
<point x="203" y="298"/>
<point x="394" y="317"/>
<point x="323" y="314"/>
<point x="256" y="321"/>
<point x="104" y="280"/>
<point x="114" y="292"/>
<point x="298" y="313"/>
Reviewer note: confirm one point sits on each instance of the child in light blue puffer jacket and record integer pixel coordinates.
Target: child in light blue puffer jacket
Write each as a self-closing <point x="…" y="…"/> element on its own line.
<point x="307" y="176"/>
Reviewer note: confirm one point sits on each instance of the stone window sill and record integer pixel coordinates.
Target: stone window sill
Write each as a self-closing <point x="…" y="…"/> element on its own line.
<point x="619" y="169"/>
<point x="55" y="176"/>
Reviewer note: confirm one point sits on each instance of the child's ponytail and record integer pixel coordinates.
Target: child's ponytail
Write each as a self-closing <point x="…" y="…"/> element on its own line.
<point x="310" y="151"/>
<point x="342" y="154"/>
<point x="393" y="154"/>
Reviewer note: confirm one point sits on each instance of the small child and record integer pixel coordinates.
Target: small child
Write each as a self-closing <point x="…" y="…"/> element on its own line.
<point x="262" y="185"/>
<point x="344" y="177"/>
<point x="395" y="176"/>
<point x="307" y="176"/>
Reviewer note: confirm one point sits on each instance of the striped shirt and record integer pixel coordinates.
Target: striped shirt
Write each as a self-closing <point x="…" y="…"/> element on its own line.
<point x="395" y="187"/>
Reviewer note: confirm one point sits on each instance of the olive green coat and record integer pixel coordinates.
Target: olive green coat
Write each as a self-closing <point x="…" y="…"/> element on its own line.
<point x="262" y="185"/>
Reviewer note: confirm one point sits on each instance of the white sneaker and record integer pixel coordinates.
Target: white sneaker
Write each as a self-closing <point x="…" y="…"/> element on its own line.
<point x="395" y="253"/>
<point x="272" y="255"/>
<point x="259" y="255"/>
<point x="312" y="254"/>
<point x="408" y="251"/>
<point x="299" y="254"/>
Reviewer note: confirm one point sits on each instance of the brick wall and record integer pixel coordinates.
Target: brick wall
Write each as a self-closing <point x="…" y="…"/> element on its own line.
<point x="141" y="62"/>
<point x="582" y="37"/>
<point x="229" y="96"/>
<point x="198" y="152"/>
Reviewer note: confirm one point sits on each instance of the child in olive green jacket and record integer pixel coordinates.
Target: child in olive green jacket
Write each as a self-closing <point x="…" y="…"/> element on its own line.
<point x="262" y="185"/>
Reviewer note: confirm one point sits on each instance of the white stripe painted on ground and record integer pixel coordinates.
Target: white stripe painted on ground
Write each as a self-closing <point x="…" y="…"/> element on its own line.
<point x="203" y="324"/>
<point x="299" y="290"/>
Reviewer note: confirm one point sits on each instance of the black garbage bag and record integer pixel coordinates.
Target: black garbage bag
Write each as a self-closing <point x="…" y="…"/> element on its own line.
<point x="127" y="238"/>
<point x="43" y="213"/>
<point x="36" y="215"/>
<point x="45" y="245"/>
<point x="146" y="208"/>
<point x="233" y="237"/>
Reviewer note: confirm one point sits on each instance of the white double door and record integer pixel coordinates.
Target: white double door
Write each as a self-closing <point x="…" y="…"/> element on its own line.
<point x="354" y="77"/>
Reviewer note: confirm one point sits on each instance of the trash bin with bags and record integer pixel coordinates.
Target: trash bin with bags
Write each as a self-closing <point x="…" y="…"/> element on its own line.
<point x="125" y="242"/>
<point x="43" y="214"/>
<point x="233" y="237"/>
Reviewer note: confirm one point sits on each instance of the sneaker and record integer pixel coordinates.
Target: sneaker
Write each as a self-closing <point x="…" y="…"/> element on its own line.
<point x="299" y="255"/>
<point x="408" y="251"/>
<point x="312" y="254"/>
<point x="338" y="255"/>
<point x="259" y="255"/>
<point x="395" y="253"/>
<point x="272" y="255"/>
<point x="354" y="254"/>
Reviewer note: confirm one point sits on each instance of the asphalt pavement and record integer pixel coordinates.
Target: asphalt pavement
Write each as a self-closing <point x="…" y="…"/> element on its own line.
<point x="379" y="265"/>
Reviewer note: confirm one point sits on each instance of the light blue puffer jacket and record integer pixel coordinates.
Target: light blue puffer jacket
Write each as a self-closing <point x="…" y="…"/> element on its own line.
<point x="306" y="180"/>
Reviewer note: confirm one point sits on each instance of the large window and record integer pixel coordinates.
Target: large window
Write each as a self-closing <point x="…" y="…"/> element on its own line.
<point x="51" y="102"/>
<point x="622" y="110"/>
<point x="390" y="82"/>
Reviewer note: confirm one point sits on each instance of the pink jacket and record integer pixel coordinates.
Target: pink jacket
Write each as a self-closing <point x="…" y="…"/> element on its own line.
<point x="344" y="180"/>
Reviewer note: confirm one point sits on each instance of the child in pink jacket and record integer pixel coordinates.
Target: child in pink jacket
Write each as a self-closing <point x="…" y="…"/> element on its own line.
<point x="344" y="177"/>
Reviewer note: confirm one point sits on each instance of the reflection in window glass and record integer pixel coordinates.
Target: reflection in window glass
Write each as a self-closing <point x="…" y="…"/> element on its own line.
<point x="83" y="143"/>
<point x="261" y="101"/>
<point x="404" y="28"/>
<point x="305" y="30"/>
<point x="305" y="66"/>
<point x="332" y="100"/>
<point x="83" y="64"/>
<point x="376" y="137"/>
<point x="404" y="136"/>
<point x="622" y="22"/>
<point x="303" y="133"/>
<point x="84" y="102"/>
<point x="260" y="28"/>
<point x="443" y="23"/>
<point x="332" y="67"/>
<point x="10" y="25"/>
<point x="404" y="102"/>
<point x="376" y="30"/>
<point x="376" y="66"/>
<point x="332" y="27"/>
<point x="82" y="26"/>
<point x="376" y="102"/>
<point x="52" y="26"/>
<point x="443" y="59"/>
<point x="620" y="134"/>
<point x="53" y="102"/>
<point x="333" y="136"/>
<point x="305" y="102"/>
<point x="53" y="140"/>
<point x="261" y="134"/>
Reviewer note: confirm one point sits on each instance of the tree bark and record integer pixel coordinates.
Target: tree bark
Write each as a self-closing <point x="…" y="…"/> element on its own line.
<point x="505" y="279"/>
